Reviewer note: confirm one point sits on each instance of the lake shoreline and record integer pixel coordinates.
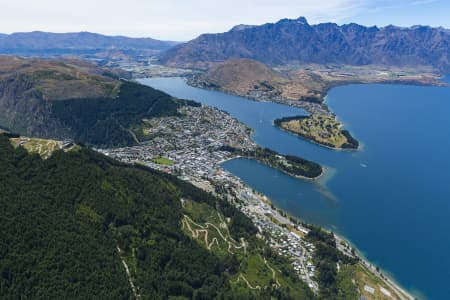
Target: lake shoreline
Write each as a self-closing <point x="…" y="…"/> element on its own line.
<point x="401" y="292"/>
<point x="240" y="153"/>
<point x="234" y="156"/>
<point x="381" y="261"/>
<point x="320" y="107"/>
<point x="382" y="275"/>
<point x="366" y="263"/>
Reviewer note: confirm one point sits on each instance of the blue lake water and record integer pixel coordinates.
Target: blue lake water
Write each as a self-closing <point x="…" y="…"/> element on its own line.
<point x="391" y="199"/>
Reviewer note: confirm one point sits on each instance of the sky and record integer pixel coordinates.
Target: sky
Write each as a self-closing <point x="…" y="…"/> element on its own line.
<point x="182" y="20"/>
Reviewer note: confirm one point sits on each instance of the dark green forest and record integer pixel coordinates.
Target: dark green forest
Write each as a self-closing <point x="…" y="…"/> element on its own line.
<point x="106" y="122"/>
<point x="63" y="219"/>
<point x="352" y="142"/>
<point x="290" y="164"/>
<point x="326" y="255"/>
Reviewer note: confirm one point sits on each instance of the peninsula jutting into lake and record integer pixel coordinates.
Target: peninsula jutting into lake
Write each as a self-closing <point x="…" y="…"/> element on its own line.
<point x="322" y="129"/>
<point x="357" y="172"/>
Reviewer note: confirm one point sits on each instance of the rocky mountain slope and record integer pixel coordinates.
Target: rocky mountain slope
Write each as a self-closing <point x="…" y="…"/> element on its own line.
<point x="74" y="99"/>
<point x="297" y="42"/>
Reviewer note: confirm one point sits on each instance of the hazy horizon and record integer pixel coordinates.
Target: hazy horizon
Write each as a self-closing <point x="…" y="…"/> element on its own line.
<point x="178" y="20"/>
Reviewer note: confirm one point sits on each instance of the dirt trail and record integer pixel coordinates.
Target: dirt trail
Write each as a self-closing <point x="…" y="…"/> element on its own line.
<point x="247" y="283"/>
<point x="127" y="270"/>
<point x="186" y="223"/>
<point x="274" y="274"/>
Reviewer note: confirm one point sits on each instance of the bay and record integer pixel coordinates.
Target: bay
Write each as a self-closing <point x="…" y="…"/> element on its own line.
<point x="391" y="198"/>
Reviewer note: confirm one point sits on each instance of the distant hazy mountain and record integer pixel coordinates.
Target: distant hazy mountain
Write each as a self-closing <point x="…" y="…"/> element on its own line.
<point x="296" y="41"/>
<point x="46" y="42"/>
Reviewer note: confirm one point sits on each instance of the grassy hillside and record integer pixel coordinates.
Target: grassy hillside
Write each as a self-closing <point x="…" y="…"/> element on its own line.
<point x="78" y="225"/>
<point x="309" y="83"/>
<point x="253" y="79"/>
<point x="260" y="271"/>
<point x="44" y="148"/>
<point x="240" y="76"/>
<point x="62" y="79"/>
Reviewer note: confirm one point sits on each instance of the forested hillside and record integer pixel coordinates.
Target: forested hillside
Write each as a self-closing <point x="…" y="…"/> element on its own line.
<point x="65" y="218"/>
<point x="106" y="121"/>
<point x="72" y="99"/>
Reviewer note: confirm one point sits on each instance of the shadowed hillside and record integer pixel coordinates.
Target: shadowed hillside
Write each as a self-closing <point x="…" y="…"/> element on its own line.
<point x="76" y="100"/>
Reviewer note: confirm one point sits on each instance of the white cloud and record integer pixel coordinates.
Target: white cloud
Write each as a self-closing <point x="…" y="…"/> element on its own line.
<point x="166" y="19"/>
<point x="186" y="19"/>
<point x="423" y="2"/>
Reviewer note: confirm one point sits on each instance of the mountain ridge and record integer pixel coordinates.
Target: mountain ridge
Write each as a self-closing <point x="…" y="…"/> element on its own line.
<point x="40" y="40"/>
<point x="295" y="41"/>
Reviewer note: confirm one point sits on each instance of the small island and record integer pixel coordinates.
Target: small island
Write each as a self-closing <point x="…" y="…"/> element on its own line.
<point x="322" y="129"/>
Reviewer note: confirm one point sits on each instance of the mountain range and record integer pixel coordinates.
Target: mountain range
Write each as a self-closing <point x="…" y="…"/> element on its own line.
<point x="38" y="42"/>
<point x="297" y="42"/>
